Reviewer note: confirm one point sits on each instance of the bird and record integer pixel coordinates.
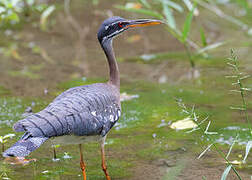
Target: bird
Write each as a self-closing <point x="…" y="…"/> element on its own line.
<point x="80" y="114"/>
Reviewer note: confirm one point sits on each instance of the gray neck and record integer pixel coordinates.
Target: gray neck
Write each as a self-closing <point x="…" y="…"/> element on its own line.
<point x="113" y="67"/>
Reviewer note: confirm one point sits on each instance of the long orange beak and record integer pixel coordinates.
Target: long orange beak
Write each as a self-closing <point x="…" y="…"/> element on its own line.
<point x="143" y="22"/>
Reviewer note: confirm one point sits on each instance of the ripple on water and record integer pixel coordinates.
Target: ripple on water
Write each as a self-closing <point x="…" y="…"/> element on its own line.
<point x="127" y="118"/>
<point x="228" y="135"/>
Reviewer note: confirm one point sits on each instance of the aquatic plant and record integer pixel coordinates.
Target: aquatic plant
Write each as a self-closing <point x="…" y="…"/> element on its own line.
<point x="181" y="34"/>
<point x="166" y="10"/>
<point x="4" y="139"/>
<point x="204" y="131"/>
<point x="9" y="11"/>
<point x="13" y="11"/>
<point x="4" y="171"/>
<point x="238" y="78"/>
<point x="55" y="146"/>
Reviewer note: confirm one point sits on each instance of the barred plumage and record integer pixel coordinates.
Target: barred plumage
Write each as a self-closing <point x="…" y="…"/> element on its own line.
<point x="79" y="111"/>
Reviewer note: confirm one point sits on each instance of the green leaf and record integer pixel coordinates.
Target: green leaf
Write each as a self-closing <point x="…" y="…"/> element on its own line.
<point x="203" y="37"/>
<point x="188" y="4"/>
<point x="44" y="16"/>
<point x="173" y="5"/>
<point x="9" y="5"/>
<point x="9" y="136"/>
<point x="248" y="147"/>
<point x="56" y="146"/>
<point x="145" y="3"/>
<point x="225" y="173"/>
<point x="169" y="16"/>
<point x="209" y="47"/>
<point x="141" y="11"/>
<point x="13" y="17"/>
<point x="187" y="24"/>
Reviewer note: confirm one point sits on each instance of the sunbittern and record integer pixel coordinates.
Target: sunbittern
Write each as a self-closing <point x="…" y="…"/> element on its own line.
<point x="81" y="113"/>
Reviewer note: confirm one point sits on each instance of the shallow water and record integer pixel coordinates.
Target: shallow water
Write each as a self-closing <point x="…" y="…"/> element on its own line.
<point x="141" y="145"/>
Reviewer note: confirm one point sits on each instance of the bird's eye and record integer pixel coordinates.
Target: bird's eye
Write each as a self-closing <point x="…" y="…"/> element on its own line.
<point x="120" y="24"/>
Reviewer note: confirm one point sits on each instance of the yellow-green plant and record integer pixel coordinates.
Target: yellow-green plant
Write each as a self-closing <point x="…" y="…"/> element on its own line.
<point x="204" y="131"/>
<point x="4" y="139"/>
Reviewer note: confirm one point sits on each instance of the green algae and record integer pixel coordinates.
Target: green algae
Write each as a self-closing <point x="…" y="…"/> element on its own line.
<point x="4" y="91"/>
<point x="138" y="136"/>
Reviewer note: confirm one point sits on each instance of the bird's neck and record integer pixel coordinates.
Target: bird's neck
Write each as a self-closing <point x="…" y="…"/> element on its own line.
<point x="113" y="67"/>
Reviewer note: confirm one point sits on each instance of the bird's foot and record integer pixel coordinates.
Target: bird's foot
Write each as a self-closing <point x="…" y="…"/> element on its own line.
<point x="18" y="160"/>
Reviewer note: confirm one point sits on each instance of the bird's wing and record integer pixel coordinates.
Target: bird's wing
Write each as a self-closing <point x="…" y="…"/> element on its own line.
<point x="84" y="110"/>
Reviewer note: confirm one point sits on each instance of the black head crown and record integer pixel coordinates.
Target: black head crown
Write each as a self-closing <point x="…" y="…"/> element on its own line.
<point x="116" y="25"/>
<point x="111" y="27"/>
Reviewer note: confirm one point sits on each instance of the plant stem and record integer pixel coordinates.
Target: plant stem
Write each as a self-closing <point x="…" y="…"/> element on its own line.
<point x="188" y="52"/>
<point x="217" y="149"/>
<point x="239" y="81"/>
<point x="244" y="105"/>
<point x="2" y="147"/>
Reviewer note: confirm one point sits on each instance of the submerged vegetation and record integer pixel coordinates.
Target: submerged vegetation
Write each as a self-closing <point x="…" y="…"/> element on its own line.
<point x="47" y="47"/>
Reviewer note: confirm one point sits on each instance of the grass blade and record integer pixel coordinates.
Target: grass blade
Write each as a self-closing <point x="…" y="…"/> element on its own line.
<point x="145" y="3"/>
<point x="44" y="16"/>
<point x="187" y="24"/>
<point x="203" y="37"/>
<point x="188" y="4"/>
<point x="173" y="5"/>
<point x="237" y="108"/>
<point x="209" y="47"/>
<point x="248" y="147"/>
<point x="231" y="147"/>
<point x="225" y="173"/>
<point x="169" y="16"/>
<point x="201" y="154"/>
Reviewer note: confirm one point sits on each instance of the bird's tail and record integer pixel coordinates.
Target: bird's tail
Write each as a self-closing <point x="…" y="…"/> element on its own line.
<point x="24" y="146"/>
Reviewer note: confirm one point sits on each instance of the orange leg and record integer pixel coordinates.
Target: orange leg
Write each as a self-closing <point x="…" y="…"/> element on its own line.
<point x="82" y="164"/>
<point x="104" y="167"/>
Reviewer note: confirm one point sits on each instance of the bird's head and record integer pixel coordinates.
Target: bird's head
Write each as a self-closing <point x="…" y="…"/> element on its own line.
<point x="116" y="25"/>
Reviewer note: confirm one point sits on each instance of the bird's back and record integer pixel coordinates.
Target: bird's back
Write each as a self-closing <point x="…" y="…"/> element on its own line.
<point x="80" y="111"/>
<point x="84" y="110"/>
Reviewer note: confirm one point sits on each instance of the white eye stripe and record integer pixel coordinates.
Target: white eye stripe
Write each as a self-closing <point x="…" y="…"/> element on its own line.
<point x="112" y="34"/>
<point x="116" y="32"/>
